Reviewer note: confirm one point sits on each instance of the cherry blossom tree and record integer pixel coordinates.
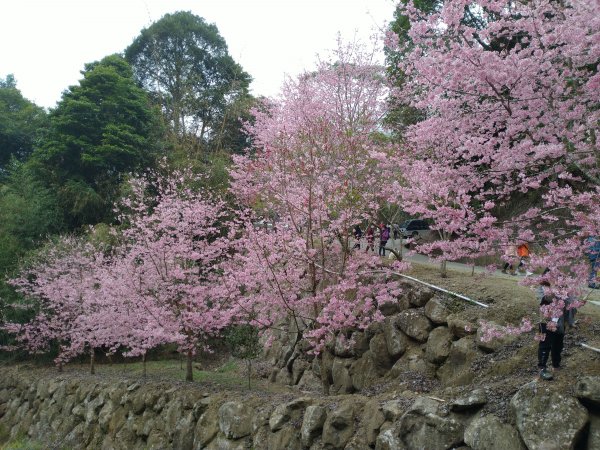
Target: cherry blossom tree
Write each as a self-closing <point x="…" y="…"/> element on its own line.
<point x="60" y="288"/>
<point x="172" y="255"/>
<point x="133" y="326"/>
<point x="508" y="149"/>
<point x="155" y="287"/>
<point x="312" y="171"/>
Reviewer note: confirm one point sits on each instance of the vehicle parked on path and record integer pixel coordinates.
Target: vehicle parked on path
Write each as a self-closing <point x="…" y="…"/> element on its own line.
<point x="415" y="228"/>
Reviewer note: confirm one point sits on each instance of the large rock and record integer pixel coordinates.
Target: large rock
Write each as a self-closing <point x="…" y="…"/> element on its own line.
<point x="414" y="324"/>
<point x="353" y="346"/>
<point x="422" y="427"/>
<point x="489" y="433"/>
<point x="547" y="419"/>
<point x="105" y="415"/>
<point x="474" y="399"/>
<point x="309" y="382"/>
<point x="392" y="410"/>
<point x="183" y="435"/>
<point x="339" y="426"/>
<point x="364" y="371"/>
<point x="299" y="367"/>
<point x="388" y="440"/>
<point x="494" y="344"/>
<point x="235" y="420"/>
<point x="222" y="443"/>
<point x="340" y="372"/>
<point x="456" y="370"/>
<point x="395" y="340"/>
<point x="593" y="442"/>
<point x="394" y="307"/>
<point x="288" y="438"/>
<point x="419" y="296"/>
<point x="324" y="362"/>
<point x="314" y="419"/>
<point x="437" y="311"/>
<point x="438" y="345"/>
<point x="372" y="419"/>
<point x="378" y="348"/>
<point x="460" y="327"/>
<point x="156" y="441"/>
<point x="206" y="428"/>
<point x="284" y="376"/>
<point x="587" y="390"/>
<point x="284" y="413"/>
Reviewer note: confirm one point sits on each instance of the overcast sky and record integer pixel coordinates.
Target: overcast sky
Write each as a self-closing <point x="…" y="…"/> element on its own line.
<point x="45" y="43"/>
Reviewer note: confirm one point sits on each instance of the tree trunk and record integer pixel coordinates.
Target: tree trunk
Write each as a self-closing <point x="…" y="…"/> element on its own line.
<point x="473" y="270"/>
<point x="443" y="272"/>
<point x="92" y="361"/>
<point x="60" y="367"/>
<point x="144" y="365"/>
<point x="189" y="373"/>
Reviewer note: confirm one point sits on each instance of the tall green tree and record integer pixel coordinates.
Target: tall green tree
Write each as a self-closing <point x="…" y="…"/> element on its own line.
<point x="401" y="114"/>
<point x="184" y="62"/>
<point x="29" y="213"/>
<point x="102" y="129"/>
<point x="22" y="123"/>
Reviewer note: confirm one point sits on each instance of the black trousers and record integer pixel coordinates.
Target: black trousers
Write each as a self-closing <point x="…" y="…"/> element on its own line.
<point x="382" y="245"/>
<point x="551" y="346"/>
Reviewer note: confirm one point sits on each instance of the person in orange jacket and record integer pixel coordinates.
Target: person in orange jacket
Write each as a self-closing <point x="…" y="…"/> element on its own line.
<point x="523" y="253"/>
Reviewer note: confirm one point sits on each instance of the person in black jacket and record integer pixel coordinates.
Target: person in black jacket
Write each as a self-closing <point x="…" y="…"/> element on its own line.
<point x="357" y="232"/>
<point x="551" y="345"/>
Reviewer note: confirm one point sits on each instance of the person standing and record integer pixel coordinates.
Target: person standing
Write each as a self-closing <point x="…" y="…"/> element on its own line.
<point x="592" y="251"/>
<point x="357" y="232"/>
<point x="396" y="230"/>
<point x="510" y="256"/>
<point x="523" y="253"/>
<point x="552" y="336"/>
<point x="551" y="343"/>
<point x="384" y="237"/>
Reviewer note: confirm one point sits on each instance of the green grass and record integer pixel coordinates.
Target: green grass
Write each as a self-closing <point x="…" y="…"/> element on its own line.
<point x="21" y="443"/>
<point x="227" y="374"/>
<point x="4" y="435"/>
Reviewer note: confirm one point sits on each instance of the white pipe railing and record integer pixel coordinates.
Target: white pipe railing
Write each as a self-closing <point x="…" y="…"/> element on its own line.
<point x="446" y="291"/>
<point x="589" y="347"/>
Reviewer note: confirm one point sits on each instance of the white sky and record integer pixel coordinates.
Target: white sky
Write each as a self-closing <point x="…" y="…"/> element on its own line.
<point x="45" y="43"/>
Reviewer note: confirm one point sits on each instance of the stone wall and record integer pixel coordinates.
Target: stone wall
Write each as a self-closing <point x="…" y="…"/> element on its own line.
<point x="422" y="333"/>
<point x="89" y="413"/>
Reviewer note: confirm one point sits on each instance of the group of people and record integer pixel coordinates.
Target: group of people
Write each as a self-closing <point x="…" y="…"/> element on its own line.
<point x="513" y="254"/>
<point x="383" y="231"/>
<point x="521" y="253"/>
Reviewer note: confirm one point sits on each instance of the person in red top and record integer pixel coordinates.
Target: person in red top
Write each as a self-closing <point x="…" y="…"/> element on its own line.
<point x="384" y="237"/>
<point x="523" y="253"/>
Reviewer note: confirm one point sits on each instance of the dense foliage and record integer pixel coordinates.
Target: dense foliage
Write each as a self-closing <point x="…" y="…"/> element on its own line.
<point x="184" y="63"/>
<point x="102" y="129"/>
<point x="510" y="91"/>
<point x="22" y="123"/>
